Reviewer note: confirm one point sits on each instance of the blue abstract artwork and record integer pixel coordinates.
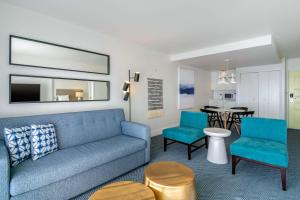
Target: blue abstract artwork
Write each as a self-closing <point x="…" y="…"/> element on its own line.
<point x="186" y="90"/>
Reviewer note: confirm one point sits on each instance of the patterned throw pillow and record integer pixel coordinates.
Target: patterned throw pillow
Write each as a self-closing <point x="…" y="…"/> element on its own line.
<point x="43" y="140"/>
<point x="18" y="144"/>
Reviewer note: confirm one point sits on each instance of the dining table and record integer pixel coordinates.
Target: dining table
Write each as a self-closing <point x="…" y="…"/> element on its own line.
<point x="225" y="113"/>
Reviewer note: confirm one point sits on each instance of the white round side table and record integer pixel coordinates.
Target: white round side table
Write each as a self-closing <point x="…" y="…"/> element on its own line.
<point x="216" y="146"/>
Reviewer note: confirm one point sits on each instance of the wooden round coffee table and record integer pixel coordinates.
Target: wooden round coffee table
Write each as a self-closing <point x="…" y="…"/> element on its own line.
<point x="124" y="190"/>
<point x="171" y="180"/>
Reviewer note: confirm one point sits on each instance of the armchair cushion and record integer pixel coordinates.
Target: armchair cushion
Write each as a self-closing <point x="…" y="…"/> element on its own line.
<point x="262" y="150"/>
<point x="263" y="128"/>
<point x="183" y="134"/>
<point x="193" y="119"/>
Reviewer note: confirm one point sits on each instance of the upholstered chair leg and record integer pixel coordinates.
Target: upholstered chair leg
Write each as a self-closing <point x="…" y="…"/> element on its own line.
<point x="233" y="160"/>
<point x="165" y="144"/>
<point x="206" y="142"/>
<point x="189" y="152"/>
<point x="283" y="178"/>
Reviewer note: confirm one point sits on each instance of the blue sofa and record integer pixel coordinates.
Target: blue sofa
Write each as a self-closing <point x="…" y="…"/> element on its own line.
<point x="94" y="147"/>
<point x="263" y="141"/>
<point x="189" y="132"/>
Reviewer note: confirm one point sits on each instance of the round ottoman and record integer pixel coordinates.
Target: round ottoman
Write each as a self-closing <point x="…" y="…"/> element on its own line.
<point x="124" y="190"/>
<point x="171" y="180"/>
<point x="216" y="147"/>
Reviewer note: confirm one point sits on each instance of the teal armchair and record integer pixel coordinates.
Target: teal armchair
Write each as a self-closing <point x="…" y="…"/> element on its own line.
<point x="263" y="141"/>
<point x="189" y="132"/>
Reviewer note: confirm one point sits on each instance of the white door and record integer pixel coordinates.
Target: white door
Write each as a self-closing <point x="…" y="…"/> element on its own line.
<point x="294" y="99"/>
<point x="264" y="84"/>
<point x="248" y="96"/>
<point x="275" y="91"/>
<point x="269" y="94"/>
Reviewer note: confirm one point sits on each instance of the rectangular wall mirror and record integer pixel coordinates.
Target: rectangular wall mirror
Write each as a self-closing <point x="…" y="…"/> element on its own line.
<point x="34" y="89"/>
<point x="34" y="53"/>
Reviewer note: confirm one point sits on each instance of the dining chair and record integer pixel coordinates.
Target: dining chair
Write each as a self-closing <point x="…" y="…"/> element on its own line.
<point x="236" y="119"/>
<point x="213" y="117"/>
<point x="230" y="116"/>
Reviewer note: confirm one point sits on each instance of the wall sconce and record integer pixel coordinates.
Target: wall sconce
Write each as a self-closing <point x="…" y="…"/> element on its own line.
<point x="126" y="96"/>
<point x="136" y="77"/>
<point x="126" y="86"/>
<point x="126" y="89"/>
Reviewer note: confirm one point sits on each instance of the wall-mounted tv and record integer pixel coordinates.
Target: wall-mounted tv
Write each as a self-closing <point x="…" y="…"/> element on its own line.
<point x="25" y="92"/>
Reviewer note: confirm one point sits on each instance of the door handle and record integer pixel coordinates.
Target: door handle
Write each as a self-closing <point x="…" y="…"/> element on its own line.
<point x="292" y="98"/>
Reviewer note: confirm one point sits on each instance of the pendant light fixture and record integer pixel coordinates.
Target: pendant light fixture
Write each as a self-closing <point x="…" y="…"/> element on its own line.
<point x="225" y="77"/>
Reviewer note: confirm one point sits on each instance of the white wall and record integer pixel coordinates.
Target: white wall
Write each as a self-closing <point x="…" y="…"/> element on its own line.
<point x="124" y="55"/>
<point x="293" y="63"/>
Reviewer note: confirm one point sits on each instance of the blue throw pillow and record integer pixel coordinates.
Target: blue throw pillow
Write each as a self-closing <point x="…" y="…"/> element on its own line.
<point x="18" y="144"/>
<point x="43" y="140"/>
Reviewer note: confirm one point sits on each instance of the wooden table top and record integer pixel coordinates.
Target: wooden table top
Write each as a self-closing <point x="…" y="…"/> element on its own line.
<point x="225" y="110"/>
<point x="124" y="190"/>
<point x="169" y="174"/>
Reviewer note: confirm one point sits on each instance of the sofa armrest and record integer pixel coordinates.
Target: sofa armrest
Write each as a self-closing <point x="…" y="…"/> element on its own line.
<point x="4" y="172"/>
<point x="139" y="131"/>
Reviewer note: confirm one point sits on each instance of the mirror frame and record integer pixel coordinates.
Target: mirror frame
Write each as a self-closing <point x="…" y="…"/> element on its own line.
<point x="58" y="45"/>
<point x="19" y="75"/>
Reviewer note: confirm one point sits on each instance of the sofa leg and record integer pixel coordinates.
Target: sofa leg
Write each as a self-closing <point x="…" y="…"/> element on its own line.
<point x="189" y="151"/>
<point x="206" y="142"/>
<point x="283" y="178"/>
<point x="233" y="160"/>
<point x="165" y="144"/>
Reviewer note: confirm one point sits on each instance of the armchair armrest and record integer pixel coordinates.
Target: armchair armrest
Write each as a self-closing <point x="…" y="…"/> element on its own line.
<point x="4" y="172"/>
<point x="139" y="131"/>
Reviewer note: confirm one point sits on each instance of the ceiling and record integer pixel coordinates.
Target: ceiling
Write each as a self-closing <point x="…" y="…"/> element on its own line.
<point x="242" y="58"/>
<point x="252" y="52"/>
<point x="177" y="26"/>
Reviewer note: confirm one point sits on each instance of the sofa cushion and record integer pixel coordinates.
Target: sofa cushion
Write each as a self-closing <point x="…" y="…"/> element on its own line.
<point x="18" y="144"/>
<point x="183" y="134"/>
<point x="262" y="150"/>
<point x="68" y="162"/>
<point x="43" y="140"/>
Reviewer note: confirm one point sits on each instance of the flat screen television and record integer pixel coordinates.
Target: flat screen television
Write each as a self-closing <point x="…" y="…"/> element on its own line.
<point x="25" y="92"/>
